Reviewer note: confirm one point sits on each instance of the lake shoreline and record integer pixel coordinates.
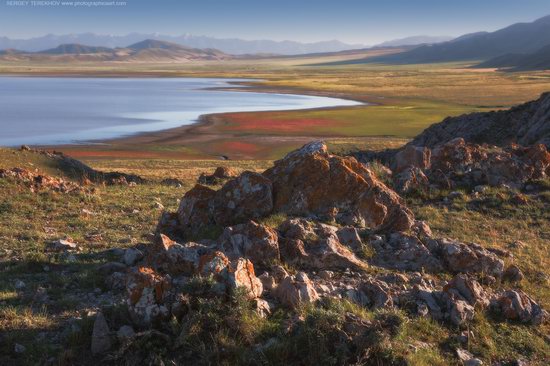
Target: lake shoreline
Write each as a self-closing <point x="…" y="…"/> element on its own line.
<point x="180" y="118"/>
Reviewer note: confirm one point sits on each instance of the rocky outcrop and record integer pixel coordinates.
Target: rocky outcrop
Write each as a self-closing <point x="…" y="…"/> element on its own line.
<point x="505" y="147"/>
<point x="526" y="124"/>
<point x="35" y="181"/>
<point x="307" y="182"/>
<point x="310" y="181"/>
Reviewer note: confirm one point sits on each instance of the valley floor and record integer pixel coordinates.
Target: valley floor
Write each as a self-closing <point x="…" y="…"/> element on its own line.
<point x="405" y="100"/>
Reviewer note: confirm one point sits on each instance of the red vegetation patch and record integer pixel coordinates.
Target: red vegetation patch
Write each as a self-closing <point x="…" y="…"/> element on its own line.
<point x="273" y="122"/>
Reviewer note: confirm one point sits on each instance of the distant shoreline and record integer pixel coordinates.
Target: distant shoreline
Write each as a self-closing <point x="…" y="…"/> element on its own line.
<point x="204" y="129"/>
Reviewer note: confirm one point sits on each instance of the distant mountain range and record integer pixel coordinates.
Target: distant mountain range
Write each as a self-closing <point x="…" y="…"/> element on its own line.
<point x="414" y="41"/>
<point x="149" y="50"/>
<point x="520" y="38"/>
<point x="539" y="60"/>
<point x="232" y="46"/>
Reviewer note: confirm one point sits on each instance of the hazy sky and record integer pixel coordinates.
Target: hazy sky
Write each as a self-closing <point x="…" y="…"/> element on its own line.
<point x="354" y="21"/>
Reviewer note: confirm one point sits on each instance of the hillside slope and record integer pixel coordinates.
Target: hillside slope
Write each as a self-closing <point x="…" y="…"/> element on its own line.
<point x="517" y="38"/>
<point x="525" y="124"/>
<point x="539" y="60"/>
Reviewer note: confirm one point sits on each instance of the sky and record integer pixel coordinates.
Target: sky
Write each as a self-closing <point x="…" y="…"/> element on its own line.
<point x="353" y="21"/>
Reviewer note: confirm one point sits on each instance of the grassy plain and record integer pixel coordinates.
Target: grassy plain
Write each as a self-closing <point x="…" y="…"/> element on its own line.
<point x="405" y="99"/>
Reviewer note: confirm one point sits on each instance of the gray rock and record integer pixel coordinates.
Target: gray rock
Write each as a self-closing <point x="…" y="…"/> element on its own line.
<point x="19" y="348"/>
<point x="131" y="256"/>
<point x="111" y="267"/>
<point x="125" y="332"/>
<point x="101" y="338"/>
<point x="19" y="285"/>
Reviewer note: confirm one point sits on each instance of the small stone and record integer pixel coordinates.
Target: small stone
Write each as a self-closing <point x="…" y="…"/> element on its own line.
<point x="455" y="194"/>
<point x="19" y="285"/>
<point x="63" y="245"/>
<point x="131" y="256"/>
<point x="19" y="348"/>
<point x="71" y="258"/>
<point x="513" y="274"/>
<point x="101" y="341"/>
<point x="480" y="189"/>
<point x="326" y="275"/>
<point x="125" y="332"/>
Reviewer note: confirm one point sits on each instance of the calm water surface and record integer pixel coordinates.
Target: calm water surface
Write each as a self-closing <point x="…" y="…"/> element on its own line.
<point x="47" y="111"/>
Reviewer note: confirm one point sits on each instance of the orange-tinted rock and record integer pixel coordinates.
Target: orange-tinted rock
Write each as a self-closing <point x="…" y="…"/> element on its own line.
<point x="240" y="274"/>
<point x="247" y="197"/>
<point x="516" y="305"/>
<point x="223" y="172"/>
<point x="194" y="208"/>
<point x="213" y="264"/>
<point x="147" y="291"/>
<point x="294" y="290"/>
<point x="170" y="257"/>
<point x="311" y="181"/>
<point x="219" y="175"/>
<point x="412" y="157"/>
<point x="253" y="241"/>
<point x="455" y="155"/>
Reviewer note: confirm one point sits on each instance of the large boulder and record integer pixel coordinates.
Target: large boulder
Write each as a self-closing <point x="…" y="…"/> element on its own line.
<point x="310" y="181"/>
<point x="256" y="242"/>
<point x="194" y="209"/>
<point x="247" y="197"/>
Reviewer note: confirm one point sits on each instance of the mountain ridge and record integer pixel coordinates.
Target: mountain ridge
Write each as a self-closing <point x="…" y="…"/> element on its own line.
<point x="516" y="38"/>
<point x="234" y="46"/>
<point x="143" y="51"/>
<point x="539" y="60"/>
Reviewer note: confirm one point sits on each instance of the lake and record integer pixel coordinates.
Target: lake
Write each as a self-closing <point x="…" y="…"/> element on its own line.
<point x="50" y="111"/>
